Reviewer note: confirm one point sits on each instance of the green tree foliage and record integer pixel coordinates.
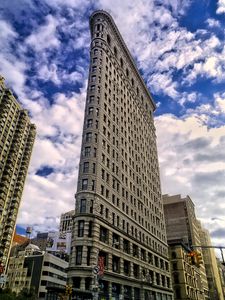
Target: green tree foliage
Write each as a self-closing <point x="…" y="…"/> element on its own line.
<point x="25" y="294"/>
<point x="7" y="294"/>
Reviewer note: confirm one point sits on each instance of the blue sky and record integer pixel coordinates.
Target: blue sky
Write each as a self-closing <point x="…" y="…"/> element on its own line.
<point x="179" y="49"/>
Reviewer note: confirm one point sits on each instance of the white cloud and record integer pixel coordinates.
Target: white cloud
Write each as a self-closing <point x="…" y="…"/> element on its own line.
<point x="49" y="73"/>
<point x="212" y="22"/>
<point x="57" y="146"/>
<point x="13" y="70"/>
<point x="163" y="83"/>
<point x="45" y="36"/>
<point x="221" y="7"/>
<point x="6" y="31"/>
<point x="192" y="161"/>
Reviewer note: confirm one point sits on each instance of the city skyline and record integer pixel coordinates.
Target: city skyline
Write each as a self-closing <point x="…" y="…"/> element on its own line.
<point x="181" y="60"/>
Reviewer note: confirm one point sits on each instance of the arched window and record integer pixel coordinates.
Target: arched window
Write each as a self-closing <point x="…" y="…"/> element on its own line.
<point x="132" y="81"/>
<point x="127" y="72"/>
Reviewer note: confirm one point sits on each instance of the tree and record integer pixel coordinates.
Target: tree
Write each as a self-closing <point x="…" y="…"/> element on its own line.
<point x="24" y="294"/>
<point x="7" y="294"/>
<point x="27" y="294"/>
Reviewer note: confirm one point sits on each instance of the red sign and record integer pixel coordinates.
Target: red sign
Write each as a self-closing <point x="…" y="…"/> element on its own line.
<point x="101" y="265"/>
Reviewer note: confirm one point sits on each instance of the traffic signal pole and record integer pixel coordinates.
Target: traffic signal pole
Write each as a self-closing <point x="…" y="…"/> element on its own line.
<point x="221" y="248"/>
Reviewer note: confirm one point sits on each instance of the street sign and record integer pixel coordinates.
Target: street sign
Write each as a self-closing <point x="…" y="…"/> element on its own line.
<point x="95" y="270"/>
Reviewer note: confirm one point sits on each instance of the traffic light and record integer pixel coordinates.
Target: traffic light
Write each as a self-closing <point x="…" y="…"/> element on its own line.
<point x="68" y="290"/>
<point x="192" y="258"/>
<point x="199" y="259"/>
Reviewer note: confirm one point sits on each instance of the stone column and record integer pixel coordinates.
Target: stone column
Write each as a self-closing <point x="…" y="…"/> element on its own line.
<point x="131" y="270"/>
<point x="154" y="278"/>
<point x="110" y="290"/>
<point x="121" y="292"/>
<point x="121" y="266"/>
<point x="84" y="256"/>
<point x="110" y="262"/>
<point x="110" y="238"/>
<point x="132" y="293"/>
<point x="142" y="294"/>
<point x="82" y="284"/>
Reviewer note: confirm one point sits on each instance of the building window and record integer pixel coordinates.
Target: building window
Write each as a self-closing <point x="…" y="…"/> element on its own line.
<point x="89" y="123"/>
<point x="85" y="167"/>
<point x="79" y="250"/>
<point x="90" y="228"/>
<point x="136" y="270"/>
<point x="126" y="246"/>
<point x="135" y="250"/>
<point x="101" y="209"/>
<point x="91" y="206"/>
<point x="108" y="39"/>
<point x="103" y="234"/>
<point x="121" y="63"/>
<point x="84" y="184"/>
<point x="176" y="278"/>
<point x="88" y="137"/>
<point x="87" y="151"/>
<point x="113" y="218"/>
<point x="80" y="228"/>
<point x="93" y="185"/>
<point x="115" y="51"/>
<point x="93" y="78"/>
<point x="83" y="205"/>
<point x="115" y="264"/>
<point x="126" y="267"/>
<point x="88" y="255"/>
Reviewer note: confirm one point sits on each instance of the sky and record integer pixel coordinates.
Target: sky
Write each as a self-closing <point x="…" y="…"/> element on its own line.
<point x="178" y="46"/>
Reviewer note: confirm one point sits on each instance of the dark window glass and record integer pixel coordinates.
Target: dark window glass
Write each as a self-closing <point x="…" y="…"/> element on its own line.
<point x="88" y="137"/>
<point x="87" y="151"/>
<point x="115" y="264"/>
<point x="89" y="123"/>
<point x="83" y="205"/>
<point x="103" y="234"/>
<point x="90" y="229"/>
<point x="85" y="167"/>
<point x="88" y="255"/>
<point x="84" y="184"/>
<point x="80" y="228"/>
<point x="79" y="250"/>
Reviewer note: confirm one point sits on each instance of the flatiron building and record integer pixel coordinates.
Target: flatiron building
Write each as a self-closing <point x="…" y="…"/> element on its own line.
<point x="119" y="246"/>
